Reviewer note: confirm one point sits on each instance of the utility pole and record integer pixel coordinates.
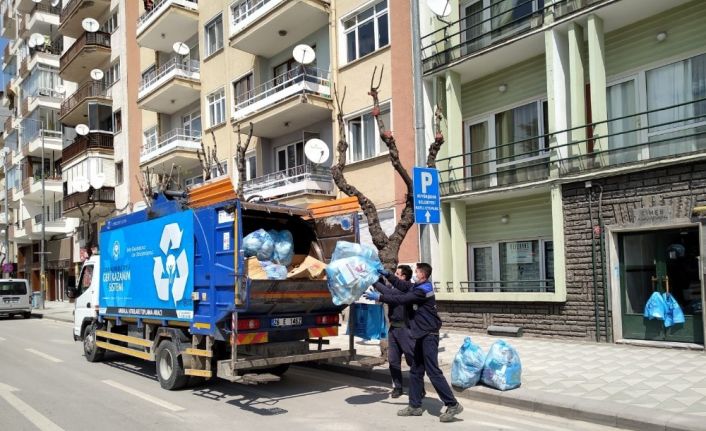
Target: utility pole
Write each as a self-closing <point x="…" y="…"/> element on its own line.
<point x="7" y="216"/>
<point x="42" y="275"/>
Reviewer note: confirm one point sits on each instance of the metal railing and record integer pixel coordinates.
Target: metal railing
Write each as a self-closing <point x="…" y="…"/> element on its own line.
<point x="48" y="134"/>
<point x="38" y="219"/>
<point x="246" y="9"/>
<point x="297" y="174"/>
<point x="300" y="75"/>
<point x="81" y="144"/>
<point x="102" y="195"/>
<point x="543" y="285"/>
<point x="161" y="5"/>
<point x="45" y="8"/>
<point x="97" y="39"/>
<point x="670" y="131"/>
<point x="174" y="66"/>
<point x="90" y="89"/>
<point x="498" y="22"/>
<point x="173" y="136"/>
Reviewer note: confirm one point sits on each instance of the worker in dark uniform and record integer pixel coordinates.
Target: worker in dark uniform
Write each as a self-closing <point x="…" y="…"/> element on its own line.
<point x="399" y="339"/>
<point x="424" y="324"/>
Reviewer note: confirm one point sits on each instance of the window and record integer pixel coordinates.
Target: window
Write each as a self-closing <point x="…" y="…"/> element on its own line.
<point x="150" y="139"/>
<point x="387" y="223"/>
<point x="363" y="135"/>
<point x="366" y="31"/>
<point x="289" y="157"/>
<point x="250" y="167"/>
<point x="213" y="32"/>
<point x="192" y="124"/>
<point x="111" y="23"/>
<point x="216" y="102"/>
<point x="86" y="277"/>
<point x="112" y="74"/>
<point x="117" y="121"/>
<point x="240" y="10"/>
<point x="512" y="266"/>
<point x="193" y="181"/>
<point x="242" y="89"/>
<point x="119" y="173"/>
<point x="100" y="117"/>
<point x="487" y="21"/>
<point x="149" y="73"/>
<point x="214" y="169"/>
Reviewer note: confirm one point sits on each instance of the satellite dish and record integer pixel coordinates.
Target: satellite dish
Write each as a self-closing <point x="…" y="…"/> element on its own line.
<point x="82" y="129"/>
<point x="37" y="39"/>
<point x="441" y="8"/>
<point x="304" y="54"/>
<point x="37" y="1"/>
<point x="31" y="43"/>
<point x="55" y="3"/>
<point x="316" y="151"/>
<point x="181" y="48"/>
<point x="60" y="89"/>
<point x="97" y="74"/>
<point x="81" y="184"/>
<point x="97" y="180"/>
<point x="90" y="25"/>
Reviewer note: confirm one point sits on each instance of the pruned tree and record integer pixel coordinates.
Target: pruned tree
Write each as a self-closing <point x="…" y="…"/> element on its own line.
<point x="241" y="150"/>
<point x="388" y="246"/>
<point x="209" y="158"/>
<point x="88" y="218"/>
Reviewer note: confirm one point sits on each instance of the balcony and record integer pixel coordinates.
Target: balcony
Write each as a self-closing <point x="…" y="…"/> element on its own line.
<point x="662" y="136"/>
<point x="74" y="109"/>
<point x="49" y="55"/>
<point x="24" y="69"/>
<point x="8" y="54"/>
<point x="33" y="145"/>
<point x="46" y="97"/>
<point x="9" y="25"/>
<point x="302" y="179"/>
<point x="171" y="88"/>
<point x="177" y="147"/>
<point x="24" y="5"/>
<point x="32" y="187"/>
<point x="22" y="231"/>
<point x="56" y="224"/>
<point x="89" y="51"/>
<point x="94" y="142"/>
<point x="76" y="10"/>
<point x="16" y="194"/>
<point x="255" y="24"/>
<point x="103" y="199"/>
<point x="43" y="18"/>
<point x="169" y="21"/>
<point x="299" y="97"/>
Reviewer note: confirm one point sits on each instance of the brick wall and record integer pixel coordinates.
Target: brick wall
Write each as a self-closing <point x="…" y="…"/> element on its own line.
<point x="681" y="186"/>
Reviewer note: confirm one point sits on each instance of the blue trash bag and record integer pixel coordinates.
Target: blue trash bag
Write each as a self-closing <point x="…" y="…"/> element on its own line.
<point x="258" y="243"/>
<point x="502" y="369"/>
<point x="467" y="365"/>
<point x="273" y="270"/>
<point x="369" y="322"/>
<point x="283" y="246"/>
<point x="656" y="307"/>
<point x="674" y="314"/>
<point x="350" y="277"/>
<point x="349" y="249"/>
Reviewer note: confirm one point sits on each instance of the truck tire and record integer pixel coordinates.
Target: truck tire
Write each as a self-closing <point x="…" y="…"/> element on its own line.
<point x="92" y="352"/>
<point x="27" y="315"/>
<point x="170" y="368"/>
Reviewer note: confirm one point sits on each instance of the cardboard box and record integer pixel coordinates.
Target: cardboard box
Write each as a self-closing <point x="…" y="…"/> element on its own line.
<point x="255" y="269"/>
<point x="307" y="267"/>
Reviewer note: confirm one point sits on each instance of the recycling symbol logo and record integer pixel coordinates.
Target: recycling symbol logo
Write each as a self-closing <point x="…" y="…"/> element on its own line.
<point x="171" y="269"/>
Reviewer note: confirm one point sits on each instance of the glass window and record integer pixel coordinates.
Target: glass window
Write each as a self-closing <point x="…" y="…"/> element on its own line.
<point x="112" y="74"/>
<point x="214" y="35"/>
<point x="100" y="117"/>
<point x="363" y="135"/>
<point x="119" y="173"/>
<point x="242" y="89"/>
<point x="192" y="124"/>
<point x="86" y="278"/>
<point x="216" y="102"/>
<point x="117" y="121"/>
<point x="289" y="157"/>
<point x="111" y="23"/>
<point x="214" y="169"/>
<point x="366" y="31"/>
<point x="250" y="167"/>
<point x="150" y="139"/>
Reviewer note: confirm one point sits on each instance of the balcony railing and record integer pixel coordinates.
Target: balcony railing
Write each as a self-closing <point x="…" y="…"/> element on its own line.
<point x="173" y="67"/>
<point x="48" y="134"/>
<point x="45" y="8"/>
<point x="669" y="132"/>
<point x="102" y="195"/>
<point x="161" y="5"/>
<point x="91" y="89"/>
<point x="544" y="285"/>
<point x="300" y="80"/>
<point x="172" y="139"/>
<point x="92" y="141"/>
<point x="97" y="39"/>
<point x="289" y="181"/>
<point x="242" y="11"/>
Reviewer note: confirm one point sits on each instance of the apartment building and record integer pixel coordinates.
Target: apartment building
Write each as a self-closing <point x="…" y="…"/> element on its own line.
<point x="574" y="167"/>
<point x="33" y="144"/>
<point x="233" y="67"/>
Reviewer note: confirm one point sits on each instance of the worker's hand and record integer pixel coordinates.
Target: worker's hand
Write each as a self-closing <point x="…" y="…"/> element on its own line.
<point x="372" y="296"/>
<point x="385" y="273"/>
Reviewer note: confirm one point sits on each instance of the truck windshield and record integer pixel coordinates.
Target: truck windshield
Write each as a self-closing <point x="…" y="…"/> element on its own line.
<point x="13" y="288"/>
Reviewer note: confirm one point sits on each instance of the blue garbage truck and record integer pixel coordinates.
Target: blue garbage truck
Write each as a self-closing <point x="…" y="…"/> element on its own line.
<point x="171" y="285"/>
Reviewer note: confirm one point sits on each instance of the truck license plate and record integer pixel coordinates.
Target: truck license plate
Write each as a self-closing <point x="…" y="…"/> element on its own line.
<point x="286" y="321"/>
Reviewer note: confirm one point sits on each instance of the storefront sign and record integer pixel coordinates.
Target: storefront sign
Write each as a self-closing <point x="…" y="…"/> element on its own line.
<point x="652" y="215"/>
<point x="519" y="252"/>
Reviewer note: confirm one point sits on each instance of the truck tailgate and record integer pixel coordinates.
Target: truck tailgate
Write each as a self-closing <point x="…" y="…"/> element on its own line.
<point x="291" y="297"/>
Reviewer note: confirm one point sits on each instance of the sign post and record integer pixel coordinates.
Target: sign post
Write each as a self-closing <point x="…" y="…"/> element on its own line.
<point x="427" y="200"/>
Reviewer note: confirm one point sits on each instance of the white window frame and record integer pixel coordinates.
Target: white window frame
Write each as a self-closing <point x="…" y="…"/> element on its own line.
<point x="112" y="74"/>
<point x="284" y="148"/>
<point x="187" y="121"/>
<point x="251" y="75"/>
<point x="213" y="99"/>
<point x="380" y="147"/>
<point x="214" y="169"/>
<point x="111" y="24"/>
<point x="250" y="162"/>
<point x="213" y="23"/>
<point x="150" y="134"/>
<point x="354" y="28"/>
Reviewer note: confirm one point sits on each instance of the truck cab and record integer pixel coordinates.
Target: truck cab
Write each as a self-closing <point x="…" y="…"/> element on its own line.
<point x="86" y="293"/>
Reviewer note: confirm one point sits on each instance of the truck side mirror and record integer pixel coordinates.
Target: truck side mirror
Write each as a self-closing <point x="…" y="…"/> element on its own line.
<point x="71" y="291"/>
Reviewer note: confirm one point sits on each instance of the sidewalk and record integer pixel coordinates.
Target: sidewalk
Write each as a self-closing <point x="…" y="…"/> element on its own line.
<point x="642" y="388"/>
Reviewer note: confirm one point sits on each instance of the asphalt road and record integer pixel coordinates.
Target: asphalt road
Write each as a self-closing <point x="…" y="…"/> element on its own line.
<point x="46" y="384"/>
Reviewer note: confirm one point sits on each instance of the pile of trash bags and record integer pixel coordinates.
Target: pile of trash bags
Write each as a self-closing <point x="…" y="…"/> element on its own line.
<point x="663" y="306"/>
<point x="353" y="268"/>
<point x="274" y="249"/>
<point x="500" y="368"/>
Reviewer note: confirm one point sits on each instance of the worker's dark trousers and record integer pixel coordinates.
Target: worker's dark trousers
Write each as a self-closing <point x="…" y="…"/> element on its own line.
<point x="399" y="342"/>
<point x="426" y="359"/>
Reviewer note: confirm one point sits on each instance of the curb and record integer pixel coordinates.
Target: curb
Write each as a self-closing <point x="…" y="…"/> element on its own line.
<point x="50" y="317"/>
<point x="599" y="412"/>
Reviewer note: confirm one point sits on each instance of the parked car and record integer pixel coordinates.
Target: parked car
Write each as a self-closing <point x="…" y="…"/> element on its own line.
<point x="15" y="297"/>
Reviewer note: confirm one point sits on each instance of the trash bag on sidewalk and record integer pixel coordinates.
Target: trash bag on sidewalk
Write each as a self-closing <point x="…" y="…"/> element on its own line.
<point x="369" y="321"/>
<point x="258" y="243"/>
<point x="349" y="277"/>
<point x="656" y="307"/>
<point x="673" y="314"/>
<point x="467" y="365"/>
<point x="502" y="369"/>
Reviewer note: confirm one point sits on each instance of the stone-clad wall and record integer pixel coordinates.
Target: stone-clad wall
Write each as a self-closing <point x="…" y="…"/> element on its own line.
<point x="680" y="187"/>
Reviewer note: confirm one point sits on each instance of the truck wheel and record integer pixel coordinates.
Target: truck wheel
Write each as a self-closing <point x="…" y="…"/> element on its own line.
<point x="170" y="368"/>
<point x="27" y="315"/>
<point x="92" y="352"/>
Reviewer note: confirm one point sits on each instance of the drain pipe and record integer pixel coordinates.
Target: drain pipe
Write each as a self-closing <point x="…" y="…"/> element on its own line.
<point x="604" y="269"/>
<point x="593" y="262"/>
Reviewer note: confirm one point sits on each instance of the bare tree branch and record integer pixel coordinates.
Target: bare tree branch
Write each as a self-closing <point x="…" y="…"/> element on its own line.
<point x="438" y="139"/>
<point x="241" y="150"/>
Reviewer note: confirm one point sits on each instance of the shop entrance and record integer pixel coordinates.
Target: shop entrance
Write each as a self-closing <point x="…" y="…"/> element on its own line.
<point x="660" y="260"/>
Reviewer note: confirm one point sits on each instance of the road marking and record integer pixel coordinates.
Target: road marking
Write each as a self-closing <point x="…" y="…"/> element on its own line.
<point x="144" y="396"/>
<point x="517" y="420"/>
<point x="44" y="355"/>
<point x="2" y="339"/>
<point x="40" y="421"/>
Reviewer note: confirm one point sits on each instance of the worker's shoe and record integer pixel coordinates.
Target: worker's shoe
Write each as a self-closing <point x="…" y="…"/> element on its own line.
<point x="451" y="412"/>
<point x="410" y="411"/>
<point x="396" y="393"/>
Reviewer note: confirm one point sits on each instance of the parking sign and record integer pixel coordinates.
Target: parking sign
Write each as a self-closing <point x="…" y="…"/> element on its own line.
<point x="427" y="202"/>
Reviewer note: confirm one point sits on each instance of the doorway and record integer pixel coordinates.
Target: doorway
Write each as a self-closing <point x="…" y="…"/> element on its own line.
<point x="660" y="261"/>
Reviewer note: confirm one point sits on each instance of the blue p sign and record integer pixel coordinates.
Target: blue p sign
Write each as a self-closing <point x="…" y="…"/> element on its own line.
<point x="426" y="196"/>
